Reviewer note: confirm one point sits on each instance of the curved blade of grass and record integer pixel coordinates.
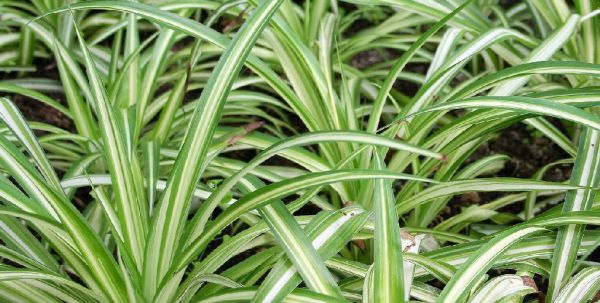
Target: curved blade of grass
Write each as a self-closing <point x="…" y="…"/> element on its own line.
<point x="477" y="265"/>
<point x="445" y="73"/>
<point x="199" y="279"/>
<point x="130" y="91"/>
<point x="388" y="276"/>
<point x="105" y="275"/>
<point x="527" y="69"/>
<point x="586" y="172"/>
<point x="22" y="260"/>
<point x="98" y="180"/>
<point x="368" y="290"/>
<point x="328" y="236"/>
<point x="502" y="288"/>
<point x="532" y="196"/>
<point x="33" y="94"/>
<point x="152" y="71"/>
<point x="82" y="113"/>
<point x="116" y="88"/>
<point x="131" y="211"/>
<point x="440" y="270"/>
<point x="534" y="247"/>
<point x="448" y="43"/>
<point x="480" y="184"/>
<point x="199" y="31"/>
<point x="483" y="117"/>
<point x="16" y="236"/>
<point x="553" y="133"/>
<point x="150" y="155"/>
<point x="174" y="204"/>
<point x="240" y="242"/>
<point x="298" y="248"/>
<point x="111" y="217"/>
<point x="582" y="287"/>
<point x="10" y="115"/>
<point x="399" y="65"/>
<point x="247" y="293"/>
<point x="26" y="46"/>
<point x="176" y="97"/>
<point x="278" y="190"/>
<point x="523" y="104"/>
<point x="16" y="274"/>
<point x="199" y="220"/>
<point x="543" y="52"/>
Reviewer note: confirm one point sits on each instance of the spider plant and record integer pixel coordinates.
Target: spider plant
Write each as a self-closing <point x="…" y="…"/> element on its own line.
<point x="233" y="151"/>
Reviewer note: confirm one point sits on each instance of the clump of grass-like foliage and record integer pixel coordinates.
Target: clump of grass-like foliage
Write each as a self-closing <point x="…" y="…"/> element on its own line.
<point x="296" y="176"/>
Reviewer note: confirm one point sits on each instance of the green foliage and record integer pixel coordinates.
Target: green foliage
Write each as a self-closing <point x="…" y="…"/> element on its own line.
<point x="296" y="151"/>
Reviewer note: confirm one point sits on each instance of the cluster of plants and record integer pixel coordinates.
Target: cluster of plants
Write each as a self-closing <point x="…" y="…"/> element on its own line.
<point x="296" y="151"/>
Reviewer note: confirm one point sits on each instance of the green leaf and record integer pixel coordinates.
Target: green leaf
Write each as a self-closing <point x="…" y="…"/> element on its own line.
<point x="130" y="208"/>
<point x="173" y="206"/>
<point x="528" y="105"/>
<point x="476" y="266"/>
<point x="388" y="273"/>
<point x="582" y="287"/>
<point x="586" y="172"/>
<point x="501" y="288"/>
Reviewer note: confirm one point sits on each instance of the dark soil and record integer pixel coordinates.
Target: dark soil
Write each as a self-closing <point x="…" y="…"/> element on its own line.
<point x="367" y="59"/>
<point x="527" y="155"/>
<point x="34" y="110"/>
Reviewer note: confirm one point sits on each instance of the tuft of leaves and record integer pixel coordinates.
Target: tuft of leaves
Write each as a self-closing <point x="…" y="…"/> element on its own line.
<point x="298" y="151"/>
